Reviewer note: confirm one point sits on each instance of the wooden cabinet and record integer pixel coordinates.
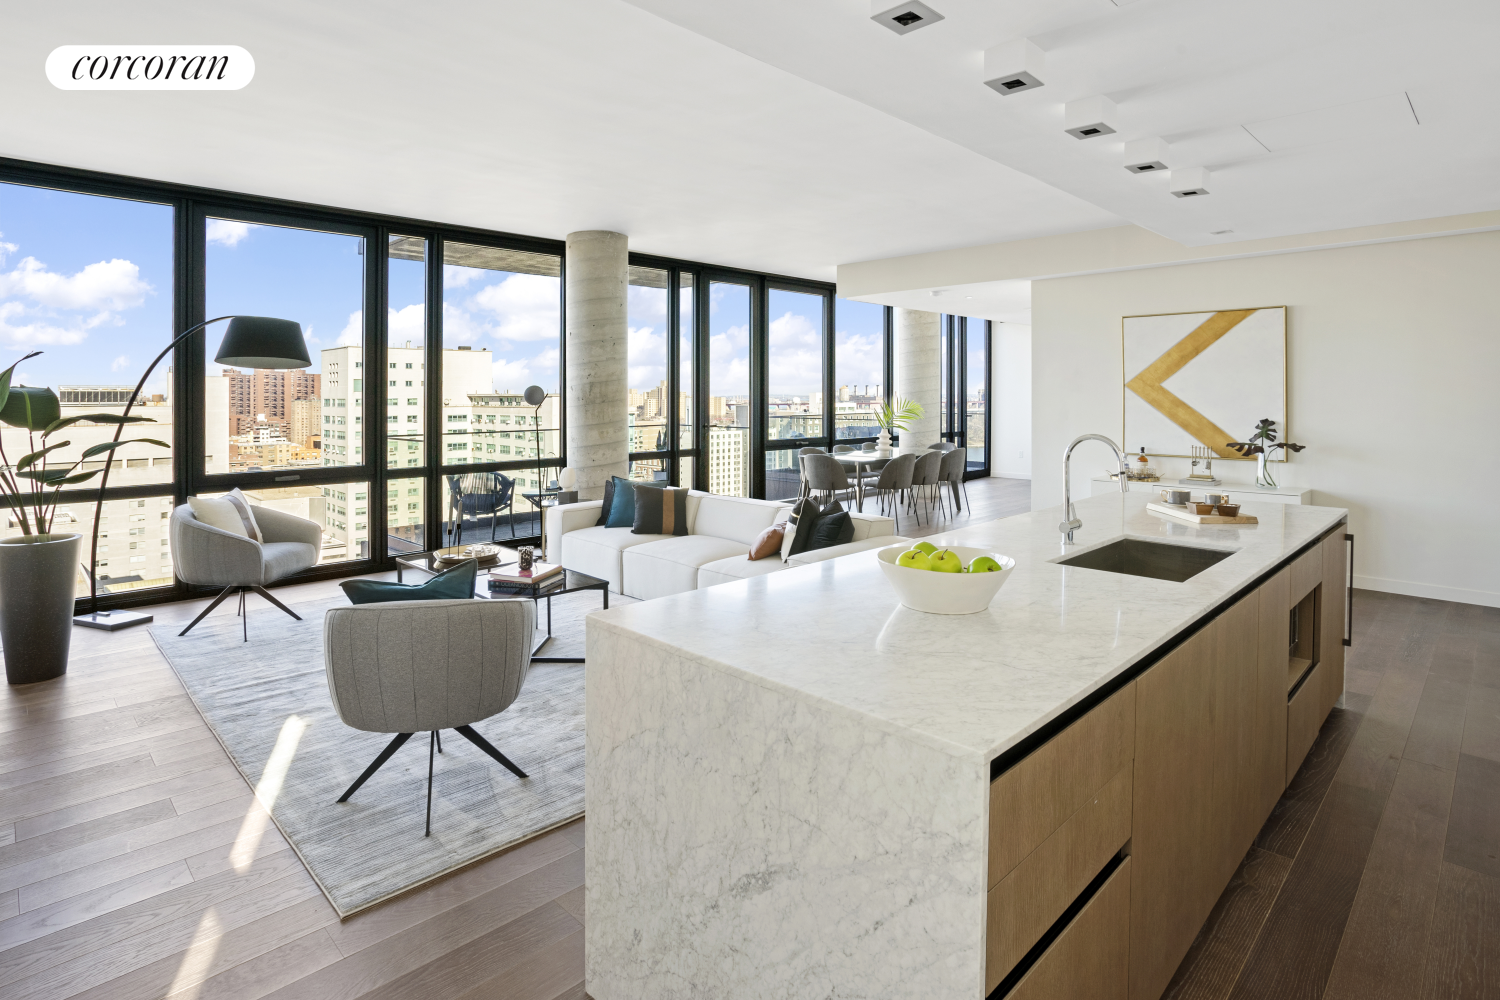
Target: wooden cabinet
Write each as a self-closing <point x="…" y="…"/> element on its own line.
<point x="1272" y="644"/>
<point x="1089" y="958"/>
<point x="1332" y="613"/>
<point x="1304" y="717"/>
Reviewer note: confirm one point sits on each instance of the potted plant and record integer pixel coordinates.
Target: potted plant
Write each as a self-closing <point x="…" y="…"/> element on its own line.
<point x="895" y="416"/>
<point x="1261" y="444"/>
<point x="37" y="566"/>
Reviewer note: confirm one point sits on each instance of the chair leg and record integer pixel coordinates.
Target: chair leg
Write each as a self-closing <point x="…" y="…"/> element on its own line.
<point x="375" y="765"/>
<point x="431" y="742"/>
<point x="244" y="618"/>
<point x="468" y="733"/>
<point x="216" y="602"/>
<point x="263" y="592"/>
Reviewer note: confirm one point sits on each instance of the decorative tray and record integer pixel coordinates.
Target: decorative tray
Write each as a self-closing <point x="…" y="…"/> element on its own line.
<point x="1181" y="512"/>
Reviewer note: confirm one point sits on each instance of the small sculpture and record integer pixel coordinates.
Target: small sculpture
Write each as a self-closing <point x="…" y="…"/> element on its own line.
<point x="1261" y="444"/>
<point x="524" y="556"/>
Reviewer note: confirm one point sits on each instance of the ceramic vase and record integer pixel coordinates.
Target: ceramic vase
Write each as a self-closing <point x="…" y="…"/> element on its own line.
<point x="37" y="574"/>
<point x="884" y="440"/>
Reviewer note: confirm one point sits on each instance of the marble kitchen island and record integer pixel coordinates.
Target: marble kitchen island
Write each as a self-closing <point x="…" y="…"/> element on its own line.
<point x="798" y="788"/>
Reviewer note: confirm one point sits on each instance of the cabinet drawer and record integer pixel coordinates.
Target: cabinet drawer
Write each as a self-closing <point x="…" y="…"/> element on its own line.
<point x="1031" y="800"/>
<point x="1091" y="957"/>
<point x="1038" y="891"/>
<point x="1304" y="717"/>
<point x="1307" y="573"/>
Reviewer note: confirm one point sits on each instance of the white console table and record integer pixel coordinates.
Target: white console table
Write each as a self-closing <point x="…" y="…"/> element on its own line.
<point x="1238" y="492"/>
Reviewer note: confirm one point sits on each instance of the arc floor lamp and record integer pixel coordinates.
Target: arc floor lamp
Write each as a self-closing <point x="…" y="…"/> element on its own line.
<point x="249" y="342"/>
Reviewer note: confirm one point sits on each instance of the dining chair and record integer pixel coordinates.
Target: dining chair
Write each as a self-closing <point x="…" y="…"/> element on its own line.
<point x="802" y="470"/>
<point x="869" y="446"/>
<point x="951" y="472"/>
<point x="839" y="449"/>
<point x="942" y="446"/>
<point x="825" y="475"/>
<point x="924" y="480"/>
<point x="893" y="483"/>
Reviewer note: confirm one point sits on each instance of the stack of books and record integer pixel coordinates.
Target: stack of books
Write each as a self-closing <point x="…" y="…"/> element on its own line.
<point x="510" y="573"/>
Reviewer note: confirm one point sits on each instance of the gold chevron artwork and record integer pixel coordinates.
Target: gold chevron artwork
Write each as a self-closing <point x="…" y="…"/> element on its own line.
<point x="1222" y="366"/>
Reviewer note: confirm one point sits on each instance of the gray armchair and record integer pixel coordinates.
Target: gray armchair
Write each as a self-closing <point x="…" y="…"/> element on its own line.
<point x="209" y="556"/>
<point x="406" y="667"/>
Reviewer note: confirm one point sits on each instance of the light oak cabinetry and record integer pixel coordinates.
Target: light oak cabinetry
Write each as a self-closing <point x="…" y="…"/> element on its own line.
<point x="1110" y="844"/>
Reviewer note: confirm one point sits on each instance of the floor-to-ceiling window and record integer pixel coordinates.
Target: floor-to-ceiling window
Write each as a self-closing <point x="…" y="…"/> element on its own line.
<point x="87" y="281"/>
<point x="862" y="331"/>
<point x="795" y="363"/>
<point x="648" y="411"/>
<point x="406" y="392"/>
<point x="687" y="365"/>
<point x="977" y="395"/>
<point x="728" y="417"/>
<point x="502" y="334"/>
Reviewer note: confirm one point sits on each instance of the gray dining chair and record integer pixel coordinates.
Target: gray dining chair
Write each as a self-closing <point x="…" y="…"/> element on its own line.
<point x="924" y="481"/>
<point x="802" y="471"/>
<point x="839" y="449"/>
<point x="825" y="475"/>
<point x="206" y="556"/>
<point x="408" y="667"/>
<point x="892" y="485"/>
<point x="869" y="446"/>
<point x="942" y="446"/>
<point x="951" y="472"/>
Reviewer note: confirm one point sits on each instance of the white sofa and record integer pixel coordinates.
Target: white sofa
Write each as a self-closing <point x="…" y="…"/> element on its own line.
<point x="715" y="549"/>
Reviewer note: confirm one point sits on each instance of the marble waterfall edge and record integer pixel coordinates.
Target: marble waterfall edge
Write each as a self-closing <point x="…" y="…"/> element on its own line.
<point x="782" y="813"/>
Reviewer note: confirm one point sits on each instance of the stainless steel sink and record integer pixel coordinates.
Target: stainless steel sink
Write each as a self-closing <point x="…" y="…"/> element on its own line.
<point x="1140" y="557"/>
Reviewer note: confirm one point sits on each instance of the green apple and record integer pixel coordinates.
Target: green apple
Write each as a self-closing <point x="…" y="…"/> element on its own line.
<point x="985" y="564"/>
<point x="926" y="547"/>
<point x="914" y="559"/>
<point x="945" y="561"/>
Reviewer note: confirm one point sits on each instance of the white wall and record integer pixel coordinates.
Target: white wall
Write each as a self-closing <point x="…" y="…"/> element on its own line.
<point x="1010" y="396"/>
<point x="1394" y="379"/>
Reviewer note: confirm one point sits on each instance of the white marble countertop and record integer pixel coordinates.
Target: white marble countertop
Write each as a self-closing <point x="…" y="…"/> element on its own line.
<point x="971" y="685"/>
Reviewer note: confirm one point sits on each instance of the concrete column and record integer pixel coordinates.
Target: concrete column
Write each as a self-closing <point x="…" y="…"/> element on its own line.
<point x="596" y="279"/>
<point x="919" y="375"/>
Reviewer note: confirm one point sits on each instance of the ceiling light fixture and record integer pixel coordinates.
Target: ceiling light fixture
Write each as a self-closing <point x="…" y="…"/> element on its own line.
<point x="1090" y="117"/>
<point x="1190" y="183"/>
<point x="1220" y="232"/>
<point x="903" y="18"/>
<point x="1013" y="67"/>
<point x="1146" y="156"/>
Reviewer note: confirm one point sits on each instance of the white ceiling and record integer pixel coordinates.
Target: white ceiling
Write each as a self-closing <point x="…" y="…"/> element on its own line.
<point x="534" y="118"/>
<point x="1193" y="72"/>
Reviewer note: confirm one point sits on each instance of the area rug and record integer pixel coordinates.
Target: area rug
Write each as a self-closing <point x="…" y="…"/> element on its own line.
<point x="267" y="702"/>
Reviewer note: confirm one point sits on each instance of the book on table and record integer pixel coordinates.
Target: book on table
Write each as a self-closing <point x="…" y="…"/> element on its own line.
<point x="539" y="571"/>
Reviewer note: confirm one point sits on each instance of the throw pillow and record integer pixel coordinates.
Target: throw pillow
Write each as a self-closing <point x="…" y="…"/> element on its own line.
<point x="609" y="499"/>
<point x="799" y="528"/>
<point x="217" y="512"/>
<point x="768" y="542"/>
<point x="833" y="528"/>
<point x="247" y="516"/>
<point x="622" y="505"/>
<point x="454" y="584"/>
<point x="659" y="510"/>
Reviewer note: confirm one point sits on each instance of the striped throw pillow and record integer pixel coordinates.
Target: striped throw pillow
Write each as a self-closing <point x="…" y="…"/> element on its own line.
<point x="660" y="510"/>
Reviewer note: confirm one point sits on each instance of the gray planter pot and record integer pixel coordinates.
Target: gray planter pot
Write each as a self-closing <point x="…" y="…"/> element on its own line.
<point x="37" y="573"/>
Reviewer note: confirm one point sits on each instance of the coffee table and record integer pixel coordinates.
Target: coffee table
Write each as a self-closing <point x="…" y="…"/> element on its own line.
<point x="566" y="582"/>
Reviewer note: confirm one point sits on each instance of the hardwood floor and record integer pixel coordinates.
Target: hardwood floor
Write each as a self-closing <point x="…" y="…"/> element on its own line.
<point x="987" y="499"/>
<point x="1376" y="876"/>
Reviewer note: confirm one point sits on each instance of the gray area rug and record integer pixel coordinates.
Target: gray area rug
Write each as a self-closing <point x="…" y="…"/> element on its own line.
<point x="267" y="702"/>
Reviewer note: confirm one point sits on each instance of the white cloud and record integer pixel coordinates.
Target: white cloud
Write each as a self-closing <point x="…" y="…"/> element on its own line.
<point x="120" y="363"/>
<point x="406" y="324"/>
<point x="511" y="375"/>
<point x="102" y="286"/>
<point x="647" y="305"/>
<point x="354" y="331"/>
<point x="457" y="276"/>
<point x="31" y="334"/>
<point x="225" y="232"/>
<point x="6" y="248"/>
<point x="861" y="359"/>
<point x="525" y="307"/>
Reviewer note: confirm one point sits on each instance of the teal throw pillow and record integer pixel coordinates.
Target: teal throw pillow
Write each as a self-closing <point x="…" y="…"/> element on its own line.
<point x="454" y="584"/>
<point x="622" y="507"/>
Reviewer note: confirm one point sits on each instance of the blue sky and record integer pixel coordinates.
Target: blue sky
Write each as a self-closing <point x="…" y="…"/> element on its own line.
<point x="88" y="280"/>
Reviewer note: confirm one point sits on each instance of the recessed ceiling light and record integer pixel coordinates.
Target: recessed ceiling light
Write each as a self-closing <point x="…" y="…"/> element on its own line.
<point x="1190" y="183"/>
<point x="905" y="17"/>
<point x="1090" y="117"/>
<point x="1220" y="232"/>
<point x="1144" y="156"/>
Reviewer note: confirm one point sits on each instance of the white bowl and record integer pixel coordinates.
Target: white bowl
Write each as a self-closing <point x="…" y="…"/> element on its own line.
<point x="946" y="593"/>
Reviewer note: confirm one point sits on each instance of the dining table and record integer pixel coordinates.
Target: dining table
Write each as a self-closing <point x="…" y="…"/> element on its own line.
<point x="864" y="462"/>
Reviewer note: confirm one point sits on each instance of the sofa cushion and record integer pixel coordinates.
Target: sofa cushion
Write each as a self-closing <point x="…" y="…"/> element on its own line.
<point x="609" y="502"/>
<point x="833" y="528"/>
<point x="849" y="548"/>
<point x="596" y="551"/>
<point x="660" y="510"/>
<point x="768" y="542"/>
<point x="735" y="518"/>
<point x="740" y="567"/>
<point x="622" y="507"/>
<point x="280" y="560"/>
<point x="670" y="565"/>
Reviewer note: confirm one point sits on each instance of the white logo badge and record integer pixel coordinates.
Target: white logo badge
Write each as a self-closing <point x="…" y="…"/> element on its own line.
<point x="150" y="67"/>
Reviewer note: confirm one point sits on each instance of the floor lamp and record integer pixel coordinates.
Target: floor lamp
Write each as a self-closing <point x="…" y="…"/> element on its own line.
<point x="249" y="342"/>
<point x="536" y="396"/>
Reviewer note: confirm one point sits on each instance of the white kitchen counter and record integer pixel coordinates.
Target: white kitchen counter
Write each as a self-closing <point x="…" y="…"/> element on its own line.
<point x="787" y="776"/>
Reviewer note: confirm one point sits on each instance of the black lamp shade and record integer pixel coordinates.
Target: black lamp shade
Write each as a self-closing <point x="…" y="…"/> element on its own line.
<point x="263" y="342"/>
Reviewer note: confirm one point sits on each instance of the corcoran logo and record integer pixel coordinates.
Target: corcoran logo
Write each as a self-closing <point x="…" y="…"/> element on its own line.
<point x="150" y="67"/>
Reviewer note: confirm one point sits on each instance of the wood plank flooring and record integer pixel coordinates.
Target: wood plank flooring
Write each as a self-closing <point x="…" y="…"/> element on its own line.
<point x="988" y="499"/>
<point x="1375" y="877"/>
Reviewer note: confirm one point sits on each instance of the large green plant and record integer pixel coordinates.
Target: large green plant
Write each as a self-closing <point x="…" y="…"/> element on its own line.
<point x="31" y="486"/>
<point x="897" y="414"/>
